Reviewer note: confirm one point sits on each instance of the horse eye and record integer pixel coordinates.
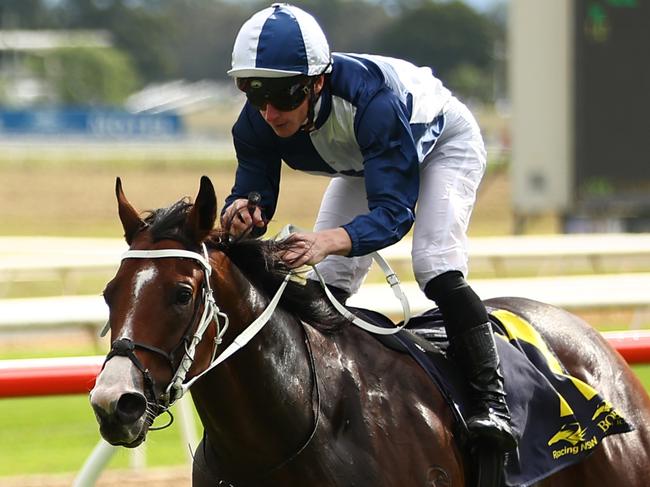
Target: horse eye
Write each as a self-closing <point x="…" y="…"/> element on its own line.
<point x="183" y="295"/>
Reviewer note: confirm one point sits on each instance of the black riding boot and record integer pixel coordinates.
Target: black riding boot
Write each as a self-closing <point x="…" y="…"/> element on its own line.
<point x="475" y="352"/>
<point x="472" y="346"/>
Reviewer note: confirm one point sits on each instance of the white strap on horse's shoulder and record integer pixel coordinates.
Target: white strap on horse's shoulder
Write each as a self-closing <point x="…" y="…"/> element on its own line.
<point x="253" y="329"/>
<point x="391" y="278"/>
<point x="394" y="282"/>
<point x="245" y="336"/>
<point x="360" y="322"/>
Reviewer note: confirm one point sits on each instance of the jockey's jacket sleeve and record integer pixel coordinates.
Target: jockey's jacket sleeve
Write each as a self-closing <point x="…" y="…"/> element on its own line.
<point x="258" y="166"/>
<point x="391" y="175"/>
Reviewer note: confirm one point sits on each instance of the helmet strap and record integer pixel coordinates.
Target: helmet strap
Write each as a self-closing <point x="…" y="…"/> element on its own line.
<point x="308" y="126"/>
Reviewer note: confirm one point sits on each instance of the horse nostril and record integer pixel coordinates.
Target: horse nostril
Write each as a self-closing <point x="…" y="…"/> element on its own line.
<point x="130" y="407"/>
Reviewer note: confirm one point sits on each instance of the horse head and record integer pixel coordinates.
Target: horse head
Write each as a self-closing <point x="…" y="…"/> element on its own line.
<point x="159" y="301"/>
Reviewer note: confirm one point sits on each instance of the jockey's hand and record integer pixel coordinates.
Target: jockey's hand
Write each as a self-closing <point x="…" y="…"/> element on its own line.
<point x="239" y="218"/>
<point x="311" y="248"/>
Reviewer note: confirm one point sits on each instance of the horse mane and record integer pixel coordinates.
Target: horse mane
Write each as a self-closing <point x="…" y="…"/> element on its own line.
<point x="258" y="260"/>
<point x="169" y="223"/>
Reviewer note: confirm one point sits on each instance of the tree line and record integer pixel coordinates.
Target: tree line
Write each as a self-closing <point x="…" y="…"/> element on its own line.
<point x="157" y="40"/>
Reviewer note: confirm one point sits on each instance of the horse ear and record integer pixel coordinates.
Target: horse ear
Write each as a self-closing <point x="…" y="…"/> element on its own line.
<point x="131" y="221"/>
<point x="200" y="221"/>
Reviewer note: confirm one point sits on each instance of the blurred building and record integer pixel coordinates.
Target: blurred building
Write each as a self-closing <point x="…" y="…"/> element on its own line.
<point x="32" y="109"/>
<point x="18" y="83"/>
<point x="208" y="108"/>
<point x="579" y="83"/>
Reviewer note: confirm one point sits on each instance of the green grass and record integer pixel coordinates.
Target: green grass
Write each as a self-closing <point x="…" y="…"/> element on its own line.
<point x="56" y="434"/>
<point x="643" y="373"/>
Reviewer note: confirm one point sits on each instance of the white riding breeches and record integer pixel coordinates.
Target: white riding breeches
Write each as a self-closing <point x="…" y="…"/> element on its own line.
<point x="449" y="179"/>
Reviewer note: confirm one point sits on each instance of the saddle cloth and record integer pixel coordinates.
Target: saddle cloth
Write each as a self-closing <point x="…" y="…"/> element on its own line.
<point x="558" y="418"/>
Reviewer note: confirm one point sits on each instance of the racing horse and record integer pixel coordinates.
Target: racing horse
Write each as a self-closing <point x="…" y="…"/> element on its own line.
<point x="310" y="400"/>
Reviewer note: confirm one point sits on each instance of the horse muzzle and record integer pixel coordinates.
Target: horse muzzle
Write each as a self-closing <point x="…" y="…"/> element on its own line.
<point x="120" y="405"/>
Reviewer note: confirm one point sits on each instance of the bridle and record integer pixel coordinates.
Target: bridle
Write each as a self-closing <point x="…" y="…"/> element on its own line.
<point x="125" y="347"/>
<point x="211" y="313"/>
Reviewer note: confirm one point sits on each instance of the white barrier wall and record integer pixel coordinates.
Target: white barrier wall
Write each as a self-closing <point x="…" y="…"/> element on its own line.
<point x="541" y="84"/>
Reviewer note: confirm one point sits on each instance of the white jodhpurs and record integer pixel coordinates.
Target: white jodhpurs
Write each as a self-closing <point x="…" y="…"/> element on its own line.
<point x="449" y="179"/>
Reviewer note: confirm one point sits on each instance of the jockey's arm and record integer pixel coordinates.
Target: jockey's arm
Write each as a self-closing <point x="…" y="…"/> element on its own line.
<point x="391" y="174"/>
<point x="258" y="169"/>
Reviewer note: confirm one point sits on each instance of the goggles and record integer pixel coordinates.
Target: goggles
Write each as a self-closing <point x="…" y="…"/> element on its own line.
<point x="285" y="94"/>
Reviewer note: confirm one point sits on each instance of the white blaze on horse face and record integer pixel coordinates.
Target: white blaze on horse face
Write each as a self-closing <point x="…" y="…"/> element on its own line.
<point x="140" y="280"/>
<point x="142" y="277"/>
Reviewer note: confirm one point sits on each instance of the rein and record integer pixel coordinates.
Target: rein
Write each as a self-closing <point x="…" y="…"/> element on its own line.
<point x="391" y="279"/>
<point x="211" y="313"/>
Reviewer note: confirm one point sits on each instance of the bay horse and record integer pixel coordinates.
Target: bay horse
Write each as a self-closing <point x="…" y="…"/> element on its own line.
<point x="310" y="400"/>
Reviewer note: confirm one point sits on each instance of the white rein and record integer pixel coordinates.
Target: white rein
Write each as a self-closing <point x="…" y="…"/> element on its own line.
<point x="211" y="312"/>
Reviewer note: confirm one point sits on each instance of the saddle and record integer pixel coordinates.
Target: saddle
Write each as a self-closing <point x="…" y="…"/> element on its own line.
<point x="558" y="418"/>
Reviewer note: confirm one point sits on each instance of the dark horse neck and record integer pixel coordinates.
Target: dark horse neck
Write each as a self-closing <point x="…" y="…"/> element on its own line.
<point x="259" y="406"/>
<point x="263" y="392"/>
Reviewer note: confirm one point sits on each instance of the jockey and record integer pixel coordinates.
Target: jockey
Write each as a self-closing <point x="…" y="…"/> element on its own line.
<point x="390" y="135"/>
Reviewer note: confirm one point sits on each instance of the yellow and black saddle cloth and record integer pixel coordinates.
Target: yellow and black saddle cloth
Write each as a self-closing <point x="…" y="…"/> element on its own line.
<point x="559" y="419"/>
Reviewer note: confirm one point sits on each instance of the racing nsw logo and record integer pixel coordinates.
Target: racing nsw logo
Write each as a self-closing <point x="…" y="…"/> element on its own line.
<point x="572" y="433"/>
<point x="573" y="437"/>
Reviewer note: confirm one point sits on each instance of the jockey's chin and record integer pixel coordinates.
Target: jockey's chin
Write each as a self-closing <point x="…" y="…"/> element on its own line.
<point x="284" y="130"/>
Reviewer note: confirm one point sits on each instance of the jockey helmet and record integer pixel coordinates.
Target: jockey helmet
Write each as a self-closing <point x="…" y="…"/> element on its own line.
<point x="278" y="42"/>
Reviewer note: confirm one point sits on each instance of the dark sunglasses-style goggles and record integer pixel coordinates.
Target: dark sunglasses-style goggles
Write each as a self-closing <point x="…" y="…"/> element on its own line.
<point x="285" y="94"/>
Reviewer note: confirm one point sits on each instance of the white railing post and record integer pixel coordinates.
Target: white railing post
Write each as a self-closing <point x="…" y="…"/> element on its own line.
<point x="187" y="424"/>
<point x="96" y="462"/>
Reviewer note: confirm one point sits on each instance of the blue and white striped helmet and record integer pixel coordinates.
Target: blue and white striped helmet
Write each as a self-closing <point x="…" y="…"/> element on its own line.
<point x="278" y="42"/>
